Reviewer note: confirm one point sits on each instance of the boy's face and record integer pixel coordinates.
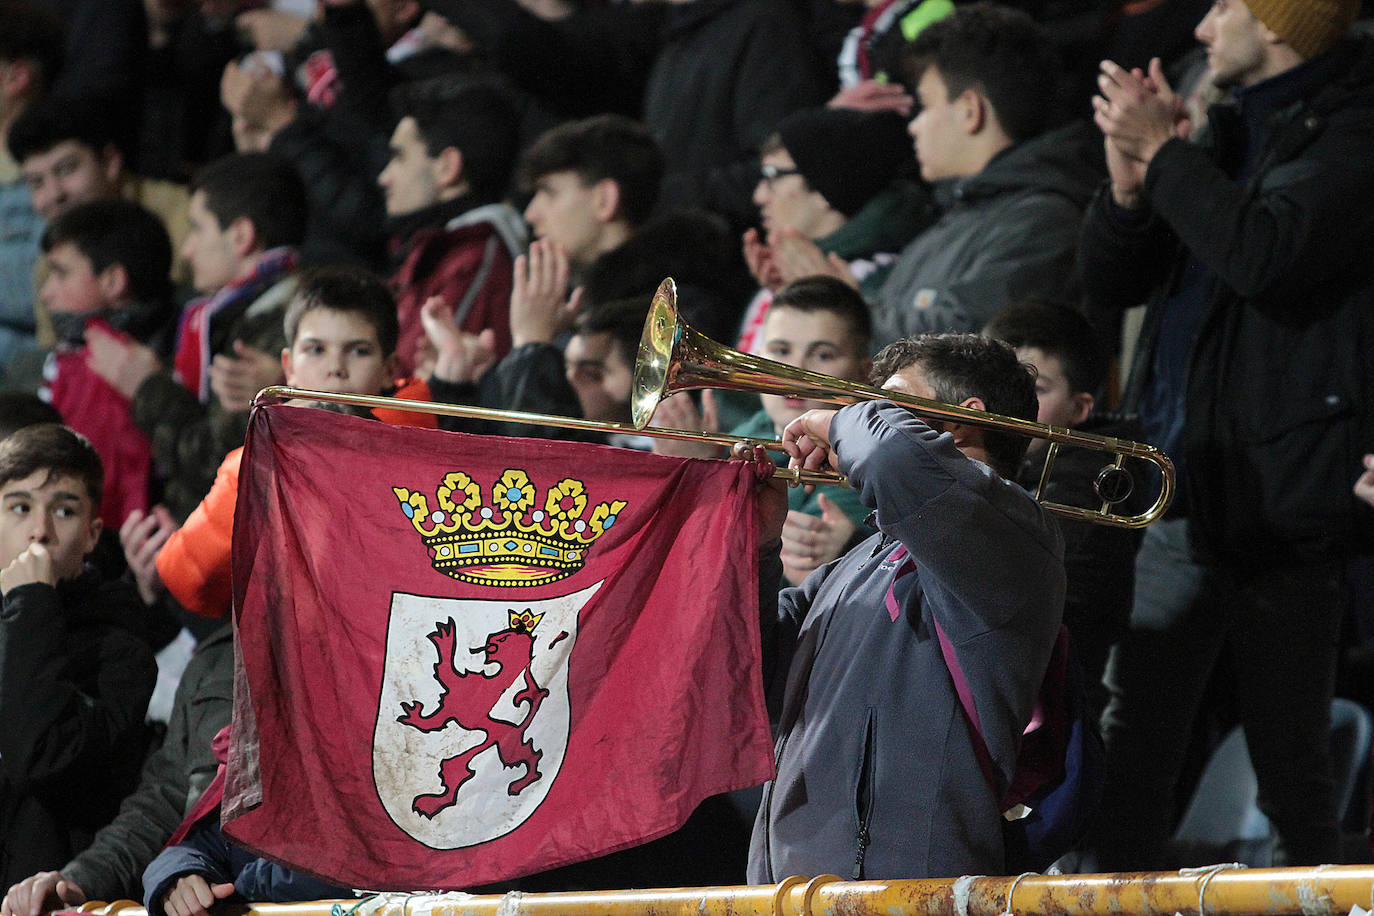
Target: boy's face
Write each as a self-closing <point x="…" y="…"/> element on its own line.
<point x="210" y="249"/>
<point x="939" y="129"/>
<point x="72" y="287"/>
<point x="1060" y="405"/>
<point x="566" y="211"/>
<point x="600" y="376"/>
<point x="816" y="341"/>
<point x="52" y="510"/>
<point x="337" y="351"/>
<point x="68" y="174"/>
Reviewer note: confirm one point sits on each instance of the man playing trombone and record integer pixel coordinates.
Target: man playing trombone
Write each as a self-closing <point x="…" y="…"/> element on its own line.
<point x="877" y="771"/>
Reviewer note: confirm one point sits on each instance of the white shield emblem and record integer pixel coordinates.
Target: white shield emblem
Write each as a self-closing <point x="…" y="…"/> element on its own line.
<point x="472" y="726"/>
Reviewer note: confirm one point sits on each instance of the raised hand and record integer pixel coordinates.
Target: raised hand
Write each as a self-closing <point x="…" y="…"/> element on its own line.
<point x="540" y="306"/>
<point x="759" y="257"/>
<point x="123" y="363"/>
<point x="236" y="379"/>
<point x="459" y="357"/>
<point x="142" y="537"/>
<point x="678" y="412"/>
<point x="809" y="541"/>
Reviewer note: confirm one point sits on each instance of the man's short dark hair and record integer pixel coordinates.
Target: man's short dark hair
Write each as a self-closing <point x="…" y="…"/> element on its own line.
<point x="24" y="408"/>
<point x="56" y="449"/>
<point x="1000" y="52"/>
<point x="962" y="366"/>
<point x="478" y="119"/>
<point x="43" y="125"/>
<point x="259" y="187"/>
<point x="117" y="231"/>
<point x="31" y="33"/>
<point x="828" y="294"/>
<point x="600" y="147"/>
<point x="1056" y="330"/>
<point x="623" y="319"/>
<point x="345" y="289"/>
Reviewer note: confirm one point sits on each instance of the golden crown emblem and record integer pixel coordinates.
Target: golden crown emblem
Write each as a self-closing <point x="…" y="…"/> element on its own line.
<point x="514" y="540"/>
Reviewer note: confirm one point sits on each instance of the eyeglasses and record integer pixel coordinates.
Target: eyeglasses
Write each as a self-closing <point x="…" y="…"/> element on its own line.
<point x="772" y="173"/>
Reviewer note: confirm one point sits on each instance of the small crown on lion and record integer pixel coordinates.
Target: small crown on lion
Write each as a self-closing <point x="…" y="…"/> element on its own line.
<point x="515" y="539"/>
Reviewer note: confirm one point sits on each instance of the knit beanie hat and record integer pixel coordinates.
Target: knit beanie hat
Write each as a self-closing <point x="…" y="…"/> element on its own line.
<point x="847" y="156"/>
<point x="1308" y="26"/>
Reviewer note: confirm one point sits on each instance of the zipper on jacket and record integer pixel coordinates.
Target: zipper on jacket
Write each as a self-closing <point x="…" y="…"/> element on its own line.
<point x="863" y="799"/>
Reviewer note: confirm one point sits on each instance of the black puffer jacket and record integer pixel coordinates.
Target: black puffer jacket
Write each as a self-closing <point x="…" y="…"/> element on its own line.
<point x="75" y="678"/>
<point x="1280" y="373"/>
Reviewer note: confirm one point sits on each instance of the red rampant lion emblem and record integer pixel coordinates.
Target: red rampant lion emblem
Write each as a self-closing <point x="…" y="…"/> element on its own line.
<point x="468" y="699"/>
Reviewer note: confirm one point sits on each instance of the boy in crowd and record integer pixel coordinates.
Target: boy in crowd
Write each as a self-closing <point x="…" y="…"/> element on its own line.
<point x="1099" y="561"/>
<point x="822" y="325"/>
<point x="248" y="213"/>
<point x="74" y="675"/>
<point x="107" y="267"/>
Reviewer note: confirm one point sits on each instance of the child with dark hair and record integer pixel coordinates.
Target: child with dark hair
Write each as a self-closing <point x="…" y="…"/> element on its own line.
<point x="74" y="675"/>
<point x="107" y="268"/>
<point x="1071" y="368"/>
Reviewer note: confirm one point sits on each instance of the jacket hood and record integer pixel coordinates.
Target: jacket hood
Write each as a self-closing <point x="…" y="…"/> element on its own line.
<point x="1067" y="161"/>
<point x="503" y="218"/>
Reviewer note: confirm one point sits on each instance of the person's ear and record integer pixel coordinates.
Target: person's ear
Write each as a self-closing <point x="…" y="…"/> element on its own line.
<point x="966" y="432"/>
<point x="973" y="111"/>
<point x="1082" y="407"/>
<point x="243" y="235"/>
<point x="18" y="78"/>
<point x="111" y="163"/>
<point x="92" y="534"/>
<point x="286" y="370"/>
<point x="448" y="168"/>
<point x="606" y="200"/>
<point x="113" y="282"/>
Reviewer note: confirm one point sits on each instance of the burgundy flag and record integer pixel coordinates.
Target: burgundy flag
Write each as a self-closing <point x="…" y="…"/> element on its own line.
<point x="465" y="658"/>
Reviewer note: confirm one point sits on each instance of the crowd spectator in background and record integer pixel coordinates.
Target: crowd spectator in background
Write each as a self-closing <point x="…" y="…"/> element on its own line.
<point x="248" y="212"/>
<point x="1099" y="561"/>
<point x="68" y="152"/>
<point x="819" y="324"/>
<point x="595" y="187"/>
<point x="1010" y="189"/>
<point x="451" y="157"/>
<point x="30" y="57"/>
<point x="836" y="196"/>
<point x="107" y="265"/>
<point x="1253" y="356"/>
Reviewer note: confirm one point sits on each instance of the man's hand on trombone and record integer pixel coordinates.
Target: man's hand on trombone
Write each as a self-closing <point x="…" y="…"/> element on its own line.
<point x="807" y="440"/>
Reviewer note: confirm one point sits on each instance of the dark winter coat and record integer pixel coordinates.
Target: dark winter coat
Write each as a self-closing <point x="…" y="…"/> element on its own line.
<point x="173" y="778"/>
<point x="75" y="678"/>
<point x="1279" y="380"/>
<point x="1008" y="233"/>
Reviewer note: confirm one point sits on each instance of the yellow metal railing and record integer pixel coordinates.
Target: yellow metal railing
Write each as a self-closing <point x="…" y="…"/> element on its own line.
<point x="1328" y="890"/>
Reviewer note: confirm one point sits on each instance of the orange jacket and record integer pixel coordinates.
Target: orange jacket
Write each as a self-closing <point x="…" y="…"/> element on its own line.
<point x="194" y="563"/>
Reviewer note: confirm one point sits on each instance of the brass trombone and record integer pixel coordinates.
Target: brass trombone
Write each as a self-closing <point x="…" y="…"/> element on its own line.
<point x="675" y="357"/>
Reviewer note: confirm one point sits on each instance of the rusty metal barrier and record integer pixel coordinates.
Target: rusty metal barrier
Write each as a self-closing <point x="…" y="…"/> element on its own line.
<point x="1327" y="890"/>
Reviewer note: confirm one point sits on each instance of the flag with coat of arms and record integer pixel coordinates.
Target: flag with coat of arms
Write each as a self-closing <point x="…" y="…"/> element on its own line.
<point x="462" y="659"/>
